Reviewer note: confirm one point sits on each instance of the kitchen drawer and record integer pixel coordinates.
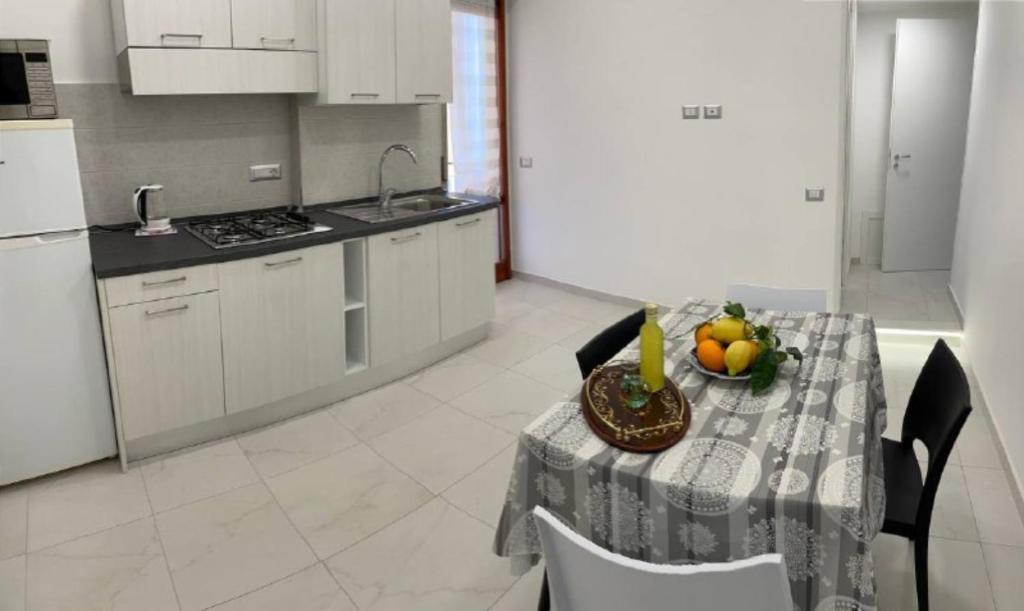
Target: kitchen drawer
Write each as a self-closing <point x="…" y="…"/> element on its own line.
<point x="160" y="285"/>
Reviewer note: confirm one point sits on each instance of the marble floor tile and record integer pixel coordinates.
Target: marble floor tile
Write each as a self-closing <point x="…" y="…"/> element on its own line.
<point x="536" y="294"/>
<point x="12" y="583"/>
<point x="222" y="547"/>
<point x="312" y="589"/>
<point x="435" y="559"/>
<point x="83" y="501"/>
<point x="452" y="377"/>
<point x="508" y="308"/>
<point x="196" y="473"/>
<point x="509" y="400"/>
<point x="13" y="520"/>
<point x="507" y="347"/>
<point x="976" y="445"/>
<point x="894" y="573"/>
<point x="854" y="301"/>
<point x="578" y="339"/>
<point x="994" y="507"/>
<point x="481" y="494"/>
<point x="383" y="409"/>
<point x="121" y="569"/>
<point x="1006" y="573"/>
<point x="548" y="325"/>
<point x="524" y="594"/>
<point x="952" y="515"/>
<point x="295" y="442"/>
<point x="556" y="366"/>
<point x="340" y="500"/>
<point x="440" y="448"/>
<point x="957" y="580"/>
<point x="592" y="310"/>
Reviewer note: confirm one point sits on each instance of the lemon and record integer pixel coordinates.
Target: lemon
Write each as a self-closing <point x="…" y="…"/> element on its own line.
<point x="738" y="357"/>
<point x="729" y="329"/>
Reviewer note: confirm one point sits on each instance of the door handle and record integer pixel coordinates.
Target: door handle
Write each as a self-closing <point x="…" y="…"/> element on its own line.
<point x="896" y="160"/>
<point x="468" y="223"/>
<point x="148" y="284"/>
<point x="273" y="264"/>
<point x="405" y="238"/>
<point x="180" y="308"/>
<point x="276" y="42"/>
<point x="198" y="38"/>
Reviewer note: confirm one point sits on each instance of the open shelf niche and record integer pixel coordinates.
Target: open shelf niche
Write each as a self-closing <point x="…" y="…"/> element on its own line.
<point x="357" y="355"/>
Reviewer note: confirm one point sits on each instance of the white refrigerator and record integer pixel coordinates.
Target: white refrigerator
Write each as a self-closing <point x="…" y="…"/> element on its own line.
<point x="55" y="409"/>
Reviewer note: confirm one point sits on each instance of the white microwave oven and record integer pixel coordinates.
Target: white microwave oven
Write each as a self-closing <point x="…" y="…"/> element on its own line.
<point x="26" y="80"/>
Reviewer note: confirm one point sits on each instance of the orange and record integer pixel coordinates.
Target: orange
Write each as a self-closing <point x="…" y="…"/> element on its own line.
<point x="711" y="355"/>
<point x="757" y="349"/>
<point x="703" y="332"/>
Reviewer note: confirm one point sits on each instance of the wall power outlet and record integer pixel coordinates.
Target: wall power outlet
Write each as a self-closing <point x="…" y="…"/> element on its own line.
<point x="269" y="171"/>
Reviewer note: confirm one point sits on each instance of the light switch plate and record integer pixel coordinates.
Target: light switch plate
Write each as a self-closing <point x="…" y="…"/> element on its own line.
<point x="270" y="171"/>
<point x="712" y="111"/>
<point x="814" y="194"/>
<point x="526" y="162"/>
<point x="691" y="111"/>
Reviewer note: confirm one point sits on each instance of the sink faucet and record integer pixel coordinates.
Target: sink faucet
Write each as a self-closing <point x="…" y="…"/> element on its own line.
<point x="384" y="195"/>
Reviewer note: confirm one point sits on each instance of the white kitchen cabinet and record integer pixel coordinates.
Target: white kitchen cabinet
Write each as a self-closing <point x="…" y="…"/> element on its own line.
<point x="403" y="293"/>
<point x="274" y="24"/>
<point x="167" y="354"/>
<point x="466" y="251"/>
<point x="172" y="23"/>
<point x="424" y="51"/>
<point x="357" y="51"/>
<point x="282" y="324"/>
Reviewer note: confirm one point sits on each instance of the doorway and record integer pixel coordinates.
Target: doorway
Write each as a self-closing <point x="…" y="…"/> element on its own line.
<point x="911" y="90"/>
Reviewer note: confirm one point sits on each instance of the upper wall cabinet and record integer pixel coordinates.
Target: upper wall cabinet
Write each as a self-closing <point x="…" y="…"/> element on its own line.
<point x="385" y="51"/>
<point x="216" y="46"/>
<point x="424" y="50"/>
<point x="274" y="24"/>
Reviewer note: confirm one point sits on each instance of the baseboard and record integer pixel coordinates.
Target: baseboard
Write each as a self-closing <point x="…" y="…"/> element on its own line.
<point x="959" y="311"/>
<point x="1017" y="485"/>
<point x="578" y="290"/>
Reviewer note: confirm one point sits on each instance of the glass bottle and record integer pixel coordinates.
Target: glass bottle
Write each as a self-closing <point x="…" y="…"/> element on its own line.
<point x="652" y="350"/>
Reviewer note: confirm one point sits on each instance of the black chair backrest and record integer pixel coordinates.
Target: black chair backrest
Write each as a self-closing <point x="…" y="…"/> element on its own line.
<point x="609" y="342"/>
<point x="939" y="406"/>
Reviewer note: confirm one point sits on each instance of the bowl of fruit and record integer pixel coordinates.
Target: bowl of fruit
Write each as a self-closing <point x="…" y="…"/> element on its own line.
<point x="730" y="347"/>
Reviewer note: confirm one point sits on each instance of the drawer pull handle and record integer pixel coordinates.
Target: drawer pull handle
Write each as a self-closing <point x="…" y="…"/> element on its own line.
<point x="405" y="238"/>
<point x="273" y="264"/>
<point x="277" y="42"/>
<point x="180" y="308"/>
<point x="427" y="95"/>
<point x="468" y="223"/>
<point x="198" y="38"/>
<point x="149" y="284"/>
<point x="365" y="95"/>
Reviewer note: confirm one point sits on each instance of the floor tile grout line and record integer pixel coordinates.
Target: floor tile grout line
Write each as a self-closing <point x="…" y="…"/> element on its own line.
<point x="160" y="539"/>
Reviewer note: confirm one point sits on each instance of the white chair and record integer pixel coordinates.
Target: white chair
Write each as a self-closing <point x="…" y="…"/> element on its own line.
<point x="771" y="298"/>
<point x="582" y="576"/>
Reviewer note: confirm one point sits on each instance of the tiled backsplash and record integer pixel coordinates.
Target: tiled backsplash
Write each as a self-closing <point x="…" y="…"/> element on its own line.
<point x="200" y="148"/>
<point x="341" y="148"/>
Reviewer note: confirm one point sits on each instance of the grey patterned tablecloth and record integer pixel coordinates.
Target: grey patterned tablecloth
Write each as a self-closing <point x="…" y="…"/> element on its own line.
<point x="797" y="470"/>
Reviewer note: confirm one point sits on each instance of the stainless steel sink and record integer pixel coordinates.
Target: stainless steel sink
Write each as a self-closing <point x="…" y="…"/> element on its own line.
<point x="400" y="208"/>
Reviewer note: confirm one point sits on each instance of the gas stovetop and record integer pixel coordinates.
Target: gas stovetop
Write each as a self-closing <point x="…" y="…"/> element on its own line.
<point x="241" y="229"/>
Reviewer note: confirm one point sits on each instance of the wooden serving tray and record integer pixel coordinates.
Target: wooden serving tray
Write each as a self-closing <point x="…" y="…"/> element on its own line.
<point x="658" y="425"/>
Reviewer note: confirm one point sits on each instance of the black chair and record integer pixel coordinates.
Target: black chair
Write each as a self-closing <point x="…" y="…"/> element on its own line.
<point x="938" y="408"/>
<point x="609" y="342"/>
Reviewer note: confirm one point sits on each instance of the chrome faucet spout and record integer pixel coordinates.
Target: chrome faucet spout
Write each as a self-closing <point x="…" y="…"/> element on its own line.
<point x="384" y="196"/>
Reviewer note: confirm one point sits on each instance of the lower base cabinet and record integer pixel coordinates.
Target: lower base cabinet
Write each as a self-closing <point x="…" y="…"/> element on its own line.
<point x="282" y="320"/>
<point x="167" y="355"/>
<point x="467" y="249"/>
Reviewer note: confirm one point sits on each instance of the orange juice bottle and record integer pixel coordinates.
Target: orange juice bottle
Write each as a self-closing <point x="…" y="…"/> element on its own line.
<point x="652" y="350"/>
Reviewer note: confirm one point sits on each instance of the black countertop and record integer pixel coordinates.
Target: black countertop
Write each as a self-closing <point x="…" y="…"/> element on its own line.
<point x="121" y="253"/>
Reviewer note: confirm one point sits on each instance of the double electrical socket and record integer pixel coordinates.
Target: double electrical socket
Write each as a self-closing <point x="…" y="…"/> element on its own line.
<point x="269" y="171"/>
<point x="711" y="111"/>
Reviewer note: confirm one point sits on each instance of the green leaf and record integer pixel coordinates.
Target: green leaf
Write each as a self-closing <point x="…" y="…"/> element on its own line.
<point x="778" y="342"/>
<point x="734" y="309"/>
<point x="795" y="353"/>
<point x="781" y="356"/>
<point x="763" y="332"/>
<point x="762" y="376"/>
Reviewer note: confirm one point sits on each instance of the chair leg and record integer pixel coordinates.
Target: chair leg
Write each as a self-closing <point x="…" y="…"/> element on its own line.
<point x="544" y="604"/>
<point x="921" y="571"/>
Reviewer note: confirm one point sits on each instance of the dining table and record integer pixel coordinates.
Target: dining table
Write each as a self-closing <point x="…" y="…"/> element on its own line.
<point x="796" y="469"/>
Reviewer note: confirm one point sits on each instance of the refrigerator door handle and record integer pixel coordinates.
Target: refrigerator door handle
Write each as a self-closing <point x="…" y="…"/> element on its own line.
<point x="56" y="237"/>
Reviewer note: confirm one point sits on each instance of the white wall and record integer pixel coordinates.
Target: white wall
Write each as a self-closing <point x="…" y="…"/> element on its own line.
<point x="988" y="262"/>
<point x="81" y="41"/>
<point x="872" y="98"/>
<point x="627" y="198"/>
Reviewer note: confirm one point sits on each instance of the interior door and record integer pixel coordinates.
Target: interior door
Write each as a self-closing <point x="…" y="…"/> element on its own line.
<point x="930" y="98"/>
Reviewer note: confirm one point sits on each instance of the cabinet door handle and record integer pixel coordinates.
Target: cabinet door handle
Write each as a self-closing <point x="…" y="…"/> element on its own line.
<point x="277" y="42"/>
<point x="149" y="284"/>
<point x="180" y="308"/>
<point x="198" y="38"/>
<point x="273" y="264"/>
<point x="426" y="95"/>
<point x="365" y="95"/>
<point x="405" y="238"/>
<point x="468" y="223"/>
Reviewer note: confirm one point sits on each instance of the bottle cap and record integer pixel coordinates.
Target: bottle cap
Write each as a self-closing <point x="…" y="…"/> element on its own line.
<point x="651" y="309"/>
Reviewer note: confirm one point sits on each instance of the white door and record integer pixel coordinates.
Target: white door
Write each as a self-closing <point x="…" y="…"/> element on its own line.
<point x="404" y="293"/>
<point x="424" y="51"/>
<point x="274" y="24"/>
<point x="283" y="325"/>
<point x="930" y="97"/>
<point x="178" y="23"/>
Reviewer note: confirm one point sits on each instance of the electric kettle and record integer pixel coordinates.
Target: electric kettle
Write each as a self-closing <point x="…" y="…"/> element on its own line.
<point x="150" y="223"/>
